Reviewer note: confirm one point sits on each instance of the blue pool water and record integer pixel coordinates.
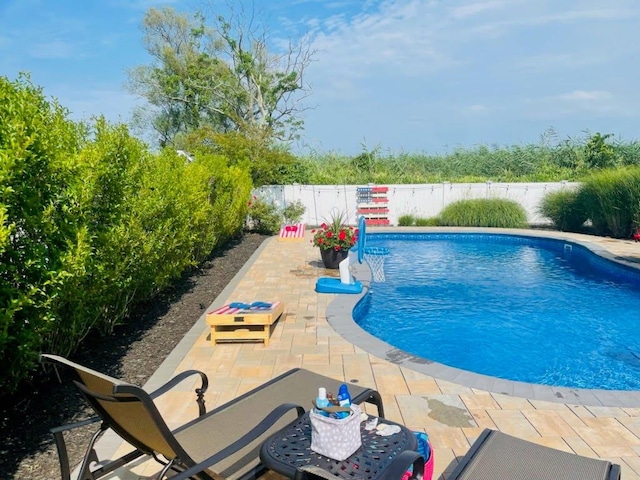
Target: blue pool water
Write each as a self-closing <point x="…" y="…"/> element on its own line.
<point x="520" y="308"/>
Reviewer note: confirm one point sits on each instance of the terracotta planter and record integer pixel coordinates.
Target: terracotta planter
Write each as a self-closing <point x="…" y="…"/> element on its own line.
<point x="331" y="258"/>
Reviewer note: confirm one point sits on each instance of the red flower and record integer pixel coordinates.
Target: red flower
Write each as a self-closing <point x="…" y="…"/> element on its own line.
<point x="334" y="235"/>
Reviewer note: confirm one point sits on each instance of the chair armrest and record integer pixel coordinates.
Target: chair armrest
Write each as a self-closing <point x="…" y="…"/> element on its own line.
<point x="256" y="431"/>
<point x="401" y="464"/>
<point x="72" y="426"/>
<point x="181" y="377"/>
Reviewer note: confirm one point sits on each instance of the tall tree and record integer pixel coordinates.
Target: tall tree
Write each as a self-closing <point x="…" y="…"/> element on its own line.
<point x="221" y="75"/>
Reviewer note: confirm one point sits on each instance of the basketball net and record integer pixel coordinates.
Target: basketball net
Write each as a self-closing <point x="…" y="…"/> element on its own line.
<point x="374" y="256"/>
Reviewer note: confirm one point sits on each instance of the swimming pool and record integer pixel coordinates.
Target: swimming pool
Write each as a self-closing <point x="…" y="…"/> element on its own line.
<point x="522" y="308"/>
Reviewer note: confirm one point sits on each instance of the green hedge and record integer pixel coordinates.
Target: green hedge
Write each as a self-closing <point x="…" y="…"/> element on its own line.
<point x="91" y="223"/>
<point x="37" y="147"/>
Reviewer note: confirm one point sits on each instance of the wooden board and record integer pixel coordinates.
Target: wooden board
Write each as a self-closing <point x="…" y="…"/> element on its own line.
<point x="292" y="233"/>
<point x="373" y="204"/>
<point x="229" y="323"/>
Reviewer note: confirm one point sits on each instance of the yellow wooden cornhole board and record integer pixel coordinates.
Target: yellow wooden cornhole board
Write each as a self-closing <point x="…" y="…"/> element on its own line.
<point x="230" y="322"/>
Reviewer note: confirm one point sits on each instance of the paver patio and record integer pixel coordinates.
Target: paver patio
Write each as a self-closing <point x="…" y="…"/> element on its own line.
<point x="451" y="413"/>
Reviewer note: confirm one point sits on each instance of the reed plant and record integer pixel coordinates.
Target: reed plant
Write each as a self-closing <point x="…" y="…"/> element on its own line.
<point x="406" y="220"/>
<point x="428" y="222"/>
<point x="611" y="198"/>
<point x="484" y="212"/>
<point x="549" y="160"/>
<point x="565" y="209"/>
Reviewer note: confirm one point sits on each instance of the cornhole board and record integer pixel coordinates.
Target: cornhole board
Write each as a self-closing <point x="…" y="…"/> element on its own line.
<point x="243" y="324"/>
<point x="292" y="233"/>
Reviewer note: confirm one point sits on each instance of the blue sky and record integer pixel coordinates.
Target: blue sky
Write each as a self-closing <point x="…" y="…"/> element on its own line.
<point x="405" y="75"/>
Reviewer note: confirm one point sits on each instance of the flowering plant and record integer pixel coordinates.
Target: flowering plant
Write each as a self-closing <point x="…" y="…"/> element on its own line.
<point x="335" y="234"/>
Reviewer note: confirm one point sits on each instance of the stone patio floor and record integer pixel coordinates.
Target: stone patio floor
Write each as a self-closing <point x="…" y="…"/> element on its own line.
<point x="452" y="414"/>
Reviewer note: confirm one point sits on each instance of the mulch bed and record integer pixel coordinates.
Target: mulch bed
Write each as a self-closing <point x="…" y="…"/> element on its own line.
<point x="133" y="353"/>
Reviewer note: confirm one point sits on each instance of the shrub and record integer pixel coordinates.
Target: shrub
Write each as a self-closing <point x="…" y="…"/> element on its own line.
<point x="228" y="187"/>
<point x="564" y="209"/>
<point x="293" y="211"/>
<point x="484" y="212"/>
<point x="263" y="217"/>
<point x="268" y="164"/>
<point x="611" y="199"/>
<point x="406" y="220"/>
<point x="100" y="267"/>
<point x="428" y="222"/>
<point x="37" y="147"/>
<point x="599" y="153"/>
<point x="91" y="223"/>
<point x="145" y="220"/>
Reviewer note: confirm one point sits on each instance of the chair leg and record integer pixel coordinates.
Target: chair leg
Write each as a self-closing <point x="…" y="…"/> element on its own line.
<point x="376" y="399"/>
<point x="91" y="468"/>
<point x="61" y="446"/>
<point x="165" y="469"/>
<point x="85" y="472"/>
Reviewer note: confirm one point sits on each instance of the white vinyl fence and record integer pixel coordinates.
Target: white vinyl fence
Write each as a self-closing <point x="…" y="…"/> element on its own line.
<point x="420" y="200"/>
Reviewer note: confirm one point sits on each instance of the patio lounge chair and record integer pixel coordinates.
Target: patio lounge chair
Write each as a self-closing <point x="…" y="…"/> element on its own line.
<point x="497" y="456"/>
<point x="223" y="443"/>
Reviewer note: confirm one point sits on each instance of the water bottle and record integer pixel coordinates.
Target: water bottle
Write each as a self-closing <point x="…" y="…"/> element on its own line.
<point x="322" y="401"/>
<point x="344" y="400"/>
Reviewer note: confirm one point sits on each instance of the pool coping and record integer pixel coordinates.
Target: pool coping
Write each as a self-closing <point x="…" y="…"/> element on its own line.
<point x="339" y="315"/>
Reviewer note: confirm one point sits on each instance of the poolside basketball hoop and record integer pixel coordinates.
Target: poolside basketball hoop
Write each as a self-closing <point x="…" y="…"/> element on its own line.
<point x="374" y="256"/>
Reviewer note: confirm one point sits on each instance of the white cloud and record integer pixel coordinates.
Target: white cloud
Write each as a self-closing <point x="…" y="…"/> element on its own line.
<point x="481" y="68"/>
<point x="476" y="108"/>
<point x="55" y="49"/>
<point x="305" y="2"/>
<point x="394" y="41"/>
<point x="475" y="8"/>
<point x="587" y="105"/>
<point x="586" y="14"/>
<point x="533" y="14"/>
<point x="584" y="95"/>
<point x="142" y="4"/>
<point x="563" y="61"/>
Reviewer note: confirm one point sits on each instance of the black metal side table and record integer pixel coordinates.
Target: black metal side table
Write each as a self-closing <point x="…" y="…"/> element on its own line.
<point x="288" y="452"/>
